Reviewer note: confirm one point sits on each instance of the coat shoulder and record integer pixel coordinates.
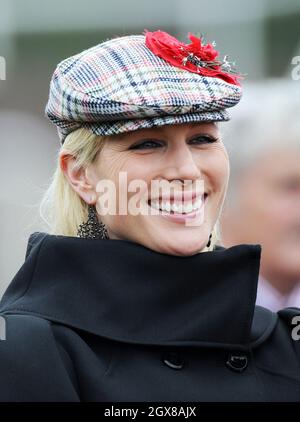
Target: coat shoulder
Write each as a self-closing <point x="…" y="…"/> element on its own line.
<point x="33" y="364"/>
<point x="266" y="323"/>
<point x="277" y="349"/>
<point x="263" y="324"/>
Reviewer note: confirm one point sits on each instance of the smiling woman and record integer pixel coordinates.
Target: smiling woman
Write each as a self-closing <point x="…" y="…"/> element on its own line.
<point x="190" y="152"/>
<point x="121" y="306"/>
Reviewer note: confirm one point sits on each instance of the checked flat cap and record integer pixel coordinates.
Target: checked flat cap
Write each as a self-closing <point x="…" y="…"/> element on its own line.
<point x="140" y="81"/>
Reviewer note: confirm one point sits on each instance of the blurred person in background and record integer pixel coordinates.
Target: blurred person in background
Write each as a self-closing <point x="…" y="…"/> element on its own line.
<point x="263" y="200"/>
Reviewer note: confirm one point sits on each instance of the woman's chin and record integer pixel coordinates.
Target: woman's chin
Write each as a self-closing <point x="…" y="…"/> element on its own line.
<point x="185" y="246"/>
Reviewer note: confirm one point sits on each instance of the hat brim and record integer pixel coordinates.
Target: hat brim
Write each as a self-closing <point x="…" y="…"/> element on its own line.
<point x="123" y="126"/>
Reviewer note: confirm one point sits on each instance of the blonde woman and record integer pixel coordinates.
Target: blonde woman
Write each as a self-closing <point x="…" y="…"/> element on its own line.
<point x="129" y="295"/>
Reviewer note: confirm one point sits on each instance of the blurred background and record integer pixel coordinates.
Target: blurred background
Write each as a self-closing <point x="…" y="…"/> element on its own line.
<point x="262" y="36"/>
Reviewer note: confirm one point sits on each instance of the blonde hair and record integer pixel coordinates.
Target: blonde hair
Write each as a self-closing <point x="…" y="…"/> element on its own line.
<point x="61" y="208"/>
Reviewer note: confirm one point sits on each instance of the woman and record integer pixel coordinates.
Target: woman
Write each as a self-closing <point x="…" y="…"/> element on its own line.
<point x="142" y="304"/>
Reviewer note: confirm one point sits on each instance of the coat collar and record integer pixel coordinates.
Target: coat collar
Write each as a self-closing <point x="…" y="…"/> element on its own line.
<point x="126" y="292"/>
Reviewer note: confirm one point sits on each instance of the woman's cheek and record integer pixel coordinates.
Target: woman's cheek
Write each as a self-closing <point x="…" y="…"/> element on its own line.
<point x="218" y="171"/>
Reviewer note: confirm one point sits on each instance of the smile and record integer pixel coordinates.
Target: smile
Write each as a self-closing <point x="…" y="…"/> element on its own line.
<point x="178" y="207"/>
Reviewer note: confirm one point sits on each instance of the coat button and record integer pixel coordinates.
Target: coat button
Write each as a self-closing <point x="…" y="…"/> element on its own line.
<point x="173" y="360"/>
<point x="237" y="362"/>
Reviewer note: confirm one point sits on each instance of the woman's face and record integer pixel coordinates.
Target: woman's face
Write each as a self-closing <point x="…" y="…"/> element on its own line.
<point x="191" y="153"/>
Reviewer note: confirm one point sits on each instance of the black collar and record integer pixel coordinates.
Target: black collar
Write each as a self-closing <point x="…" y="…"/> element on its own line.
<point x="126" y="292"/>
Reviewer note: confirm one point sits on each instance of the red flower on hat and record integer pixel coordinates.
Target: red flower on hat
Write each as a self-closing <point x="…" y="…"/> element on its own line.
<point x="196" y="57"/>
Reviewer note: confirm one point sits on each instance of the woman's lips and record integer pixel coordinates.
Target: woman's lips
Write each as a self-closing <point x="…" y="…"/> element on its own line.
<point x="183" y="217"/>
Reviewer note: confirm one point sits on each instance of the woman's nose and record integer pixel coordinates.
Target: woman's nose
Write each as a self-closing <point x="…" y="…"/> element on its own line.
<point x="181" y="164"/>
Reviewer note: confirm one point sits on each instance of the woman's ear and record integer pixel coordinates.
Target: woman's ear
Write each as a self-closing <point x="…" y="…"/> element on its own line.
<point x="77" y="177"/>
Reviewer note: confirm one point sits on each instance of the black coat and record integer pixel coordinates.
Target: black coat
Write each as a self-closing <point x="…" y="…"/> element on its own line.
<point x="110" y="320"/>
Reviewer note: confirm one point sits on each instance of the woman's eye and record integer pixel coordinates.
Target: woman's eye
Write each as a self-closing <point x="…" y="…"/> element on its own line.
<point x="151" y="144"/>
<point x="146" y="145"/>
<point x="204" y="139"/>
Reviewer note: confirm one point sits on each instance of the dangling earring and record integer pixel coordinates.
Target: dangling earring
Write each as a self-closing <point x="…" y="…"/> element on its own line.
<point x="92" y="228"/>
<point x="208" y="244"/>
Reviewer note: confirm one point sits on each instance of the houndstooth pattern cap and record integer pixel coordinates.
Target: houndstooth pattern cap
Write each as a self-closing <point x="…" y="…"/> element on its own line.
<point x="120" y="86"/>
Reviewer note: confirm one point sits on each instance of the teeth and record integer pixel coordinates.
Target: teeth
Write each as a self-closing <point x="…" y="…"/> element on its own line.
<point x="166" y="206"/>
<point x="177" y="207"/>
<point x="197" y="204"/>
<point x="188" y="207"/>
<point x="155" y="204"/>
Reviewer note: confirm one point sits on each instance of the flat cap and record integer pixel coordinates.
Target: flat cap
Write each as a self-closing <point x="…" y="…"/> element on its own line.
<point x="140" y="81"/>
